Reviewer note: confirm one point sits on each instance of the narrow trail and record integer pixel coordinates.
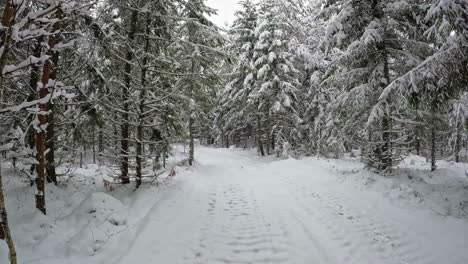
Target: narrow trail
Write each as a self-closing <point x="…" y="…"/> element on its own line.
<point x="237" y="208"/>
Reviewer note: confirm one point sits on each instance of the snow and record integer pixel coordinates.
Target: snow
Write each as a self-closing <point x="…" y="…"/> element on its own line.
<point x="235" y="207"/>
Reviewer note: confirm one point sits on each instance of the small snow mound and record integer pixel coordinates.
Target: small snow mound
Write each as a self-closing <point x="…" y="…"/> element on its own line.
<point x="97" y="219"/>
<point x="414" y="161"/>
<point x="99" y="204"/>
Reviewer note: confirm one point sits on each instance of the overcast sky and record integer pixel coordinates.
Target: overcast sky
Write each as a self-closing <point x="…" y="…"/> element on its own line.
<point x="226" y="10"/>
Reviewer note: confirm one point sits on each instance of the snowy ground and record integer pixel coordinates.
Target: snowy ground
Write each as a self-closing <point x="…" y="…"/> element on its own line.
<point x="234" y="207"/>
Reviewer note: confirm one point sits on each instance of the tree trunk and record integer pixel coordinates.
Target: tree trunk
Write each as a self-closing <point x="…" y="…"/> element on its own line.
<point x="50" y="156"/>
<point x="50" y="144"/>
<point x="48" y="74"/>
<point x="268" y="134"/>
<point x="5" y="233"/>
<point x="418" y="141"/>
<point x="50" y="134"/>
<point x="191" y="143"/>
<point x="34" y="79"/>
<point x="125" y="99"/>
<point x="6" y="37"/>
<point x="458" y="143"/>
<point x="260" y="136"/>
<point x="101" y="144"/>
<point x="433" y="148"/>
<point x="386" y="147"/>
<point x="139" y="141"/>
<point x="94" y="143"/>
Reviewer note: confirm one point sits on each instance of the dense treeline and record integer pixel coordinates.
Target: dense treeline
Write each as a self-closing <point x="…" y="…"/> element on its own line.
<point x="120" y="80"/>
<point x="114" y="80"/>
<point x="327" y="77"/>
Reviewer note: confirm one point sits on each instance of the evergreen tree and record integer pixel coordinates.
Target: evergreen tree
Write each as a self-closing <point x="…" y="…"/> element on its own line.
<point x="276" y="82"/>
<point x="239" y="113"/>
<point x="200" y="45"/>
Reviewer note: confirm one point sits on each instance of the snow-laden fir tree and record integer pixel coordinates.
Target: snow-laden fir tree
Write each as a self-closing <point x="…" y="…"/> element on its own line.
<point x="199" y="56"/>
<point x="238" y="115"/>
<point x="379" y="42"/>
<point x="276" y="82"/>
<point x="440" y="76"/>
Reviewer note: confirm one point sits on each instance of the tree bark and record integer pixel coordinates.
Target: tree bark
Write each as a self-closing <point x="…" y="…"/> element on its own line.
<point x="260" y="136"/>
<point x="6" y="37"/>
<point x="48" y="74"/>
<point x="433" y="148"/>
<point x="139" y="141"/>
<point x="386" y="147"/>
<point x="50" y="143"/>
<point x="458" y="143"/>
<point x="267" y="131"/>
<point x="101" y="144"/>
<point x="5" y="233"/>
<point x="34" y="79"/>
<point x="418" y="141"/>
<point x="433" y="137"/>
<point x="191" y="143"/>
<point x="125" y="97"/>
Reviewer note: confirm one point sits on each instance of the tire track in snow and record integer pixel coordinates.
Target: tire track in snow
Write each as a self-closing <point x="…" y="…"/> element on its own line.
<point x="237" y="232"/>
<point x="388" y="233"/>
<point x="363" y="237"/>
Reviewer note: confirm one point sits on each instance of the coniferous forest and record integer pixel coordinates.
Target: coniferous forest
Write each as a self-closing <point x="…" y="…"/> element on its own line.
<point x="119" y="83"/>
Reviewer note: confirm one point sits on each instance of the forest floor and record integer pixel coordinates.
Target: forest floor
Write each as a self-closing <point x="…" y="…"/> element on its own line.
<point x="235" y="207"/>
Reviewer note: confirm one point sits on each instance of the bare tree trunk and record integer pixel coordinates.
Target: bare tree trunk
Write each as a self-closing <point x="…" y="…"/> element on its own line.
<point x="418" y="141"/>
<point x="34" y="79"/>
<point x="50" y="143"/>
<point x="191" y="143"/>
<point x="6" y="37"/>
<point x="458" y="143"/>
<point x="433" y="137"/>
<point x="5" y="233"/>
<point x="125" y="97"/>
<point x="267" y="130"/>
<point x="94" y="143"/>
<point x="433" y="148"/>
<point x="260" y="136"/>
<point x="139" y="141"/>
<point x="386" y="148"/>
<point x="48" y="74"/>
<point x="101" y="144"/>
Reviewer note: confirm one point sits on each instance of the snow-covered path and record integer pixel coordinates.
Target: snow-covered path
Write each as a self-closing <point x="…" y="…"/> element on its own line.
<point x="237" y="208"/>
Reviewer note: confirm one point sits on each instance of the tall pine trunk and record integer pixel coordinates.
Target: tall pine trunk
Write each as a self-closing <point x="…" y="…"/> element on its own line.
<point x="141" y="114"/>
<point x="34" y="79"/>
<point x="125" y="133"/>
<point x="261" y="150"/>
<point x="458" y="142"/>
<point x="418" y="141"/>
<point x="49" y="74"/>
<point x="50" y="144"/>
<point x="192" y="142"/>
<point x="433" y="135"/>
<point x="101" y="144"/>
<point x="6" y="38"/>
<point x="5" y="233"/>
<point x="50" y="136"/>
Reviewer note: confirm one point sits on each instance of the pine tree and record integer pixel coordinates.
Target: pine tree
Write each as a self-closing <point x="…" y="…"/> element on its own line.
<point x="5" y="233"/>
<point x="201" y="43"/>
<point x="276" y="82"/>
<point x="238" y="111"/>
<point x="375" y="53"/>
<point x="442" y="74"/>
